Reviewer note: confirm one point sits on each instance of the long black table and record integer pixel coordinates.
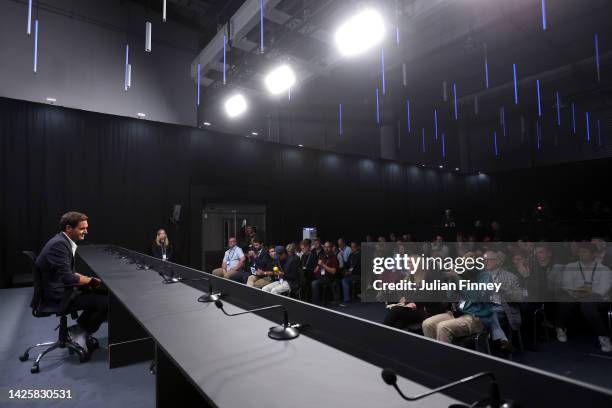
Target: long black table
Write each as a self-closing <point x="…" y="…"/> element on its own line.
<point x="204" y="358"/>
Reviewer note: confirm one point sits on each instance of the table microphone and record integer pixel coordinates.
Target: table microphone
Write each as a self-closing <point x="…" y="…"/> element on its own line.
<point x="173" y="279"/>
<point x="494" y="400"/>
<point x="209" y="296"/>
<point x="284" y="332"/>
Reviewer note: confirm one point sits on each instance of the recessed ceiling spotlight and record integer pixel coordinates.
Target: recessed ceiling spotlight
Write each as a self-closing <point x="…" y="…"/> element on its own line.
<point x="51" y="100"/>
<point x="206" y="123"/>
<point x="456" y="168"/>
<point x="441" y="166"/>
<point x="140" y="115"/>
<point x="360" y="33"/>
<point x="235" y="105"/>
<point x="300" y="145"/>
<point x="254" y="133"/>
<point x="422" y="165"/>
<point x="280" y="79"/>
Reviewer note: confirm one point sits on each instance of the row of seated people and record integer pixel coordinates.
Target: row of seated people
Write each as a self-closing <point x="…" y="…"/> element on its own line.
<point x="305" y="270"/>
<point x="526" y="270"/>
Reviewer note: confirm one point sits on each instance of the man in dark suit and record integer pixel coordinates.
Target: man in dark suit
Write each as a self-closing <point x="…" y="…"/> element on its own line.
<point x="56" y="264"/>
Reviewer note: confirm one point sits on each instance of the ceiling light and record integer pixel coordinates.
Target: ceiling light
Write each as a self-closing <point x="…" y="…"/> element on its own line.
<point x="235" y="105"/>
<point x="254" y="133"/>
<point x="441" y="166"/>
<point x="280" y="79"/>
<point x="140" y="115"/>
<point x="206" y="123"/>
<point x="456" y="168"/>
<point x="300" y="145"/>
<point x="51" y="100"/>
<point x="360" y="33"/>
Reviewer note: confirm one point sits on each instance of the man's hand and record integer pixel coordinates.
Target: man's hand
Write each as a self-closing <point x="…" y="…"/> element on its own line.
<point x="83" y="280"/>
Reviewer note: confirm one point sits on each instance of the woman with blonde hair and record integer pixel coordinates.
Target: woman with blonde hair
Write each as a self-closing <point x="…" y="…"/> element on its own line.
<point x="161" y="247"/>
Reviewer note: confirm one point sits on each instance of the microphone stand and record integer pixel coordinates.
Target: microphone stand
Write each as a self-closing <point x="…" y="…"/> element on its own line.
<point x="209" y="296"/>
<point x="494" y="399"/>
<point x="172" y="279"/>
<point x="284" y="332"/>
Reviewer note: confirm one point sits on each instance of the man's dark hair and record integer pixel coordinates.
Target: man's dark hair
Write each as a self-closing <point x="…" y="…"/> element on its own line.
<point x="258" y="240"/>
<point x="71" y="218"/>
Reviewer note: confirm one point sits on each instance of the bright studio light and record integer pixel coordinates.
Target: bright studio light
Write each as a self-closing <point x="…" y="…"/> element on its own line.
<point x="360" y="33"/>
<point x="280" y="79"/>
<point x="235" y="105"/>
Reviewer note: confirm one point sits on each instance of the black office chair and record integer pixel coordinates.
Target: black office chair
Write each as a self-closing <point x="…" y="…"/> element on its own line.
<point x="44" y="309"/>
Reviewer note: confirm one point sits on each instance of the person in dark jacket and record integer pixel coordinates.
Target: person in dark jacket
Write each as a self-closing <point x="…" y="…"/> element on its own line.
<point x="162" y="248"/>
<point x="288" y="274"/>
<point x="56" y="265"/>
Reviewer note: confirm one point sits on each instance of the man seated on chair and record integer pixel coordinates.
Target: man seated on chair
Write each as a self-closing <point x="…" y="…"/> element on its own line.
<point x="326" y="268"/>
<point x="56" y="266"/>
<point x="233" y="263"/>
<point x="263" y="275"/>
<point x="471" y="317"/>
<point x="288" y="274"/>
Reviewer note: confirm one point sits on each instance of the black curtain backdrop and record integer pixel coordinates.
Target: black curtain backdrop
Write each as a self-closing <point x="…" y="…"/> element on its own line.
<point x="127" y="174"/>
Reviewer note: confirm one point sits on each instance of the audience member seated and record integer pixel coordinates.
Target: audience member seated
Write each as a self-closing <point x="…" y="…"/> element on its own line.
<point x="317" y="248"/>
<point x="233" y="263"/>
<point x="327" y="266"/>
<point x="258" y="257"/>
<point x="288" y="275"/>
<point x="510" y="290"/>
<point x="264" y="276"/>
<point x="471" y="316"/>
<point x="404" y="313"/>
<point x="584" y="280"/>
<point x="352" y="272"/>
<point x="161" y="247"/>
<point x="308" y="263"/>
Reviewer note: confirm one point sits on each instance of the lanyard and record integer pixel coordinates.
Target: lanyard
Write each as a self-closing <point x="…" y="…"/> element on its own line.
<point x="592" y="274"/>
<point x="230" y="254"/>
<point x="307" y="259"/>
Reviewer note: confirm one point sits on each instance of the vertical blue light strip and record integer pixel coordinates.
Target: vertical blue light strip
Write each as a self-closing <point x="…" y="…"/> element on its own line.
<point x="29" y="30"/>
<point x="495" y="143"/>
<point x="539" y="100"/>
<point x="502" y="114"/>
<point x="515" y="85"/>
<point x="443" y="146"/>
<point x="574" y="117"/>
<point x="198" y="84"/>
<point x="599" y="132"/>
<point x="36" y="46"/>
<point x="377" y="107"/>
<point x="588" y="127"/>
<point x="224" y="58"/>
<point x="261" y="26"/>
<point x="455" y="100"/>
<point x="436" y="122"/>
<point x="597" y="57"/>
<point x="127" y="62"/>
<point x="340" y="110"/>
<point x="538" y="133"/>
<point x="544" y="25"/>
<point x="486" y="66"/>
<point x="408" y="113"/>
<point x="382" y="70"/>
<point x="397" y="35"/>
<point x="423" y="139"/>
<point x="558" y="108"/>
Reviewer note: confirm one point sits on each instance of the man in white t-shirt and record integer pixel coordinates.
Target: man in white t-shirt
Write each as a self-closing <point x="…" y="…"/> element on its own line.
<point x="233" y="262"/>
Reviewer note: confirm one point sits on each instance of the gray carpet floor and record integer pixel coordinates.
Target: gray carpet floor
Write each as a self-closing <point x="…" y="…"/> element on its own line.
<point x="92" y="384"/>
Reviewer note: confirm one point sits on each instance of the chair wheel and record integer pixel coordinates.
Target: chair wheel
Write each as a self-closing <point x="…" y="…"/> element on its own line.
<point x="24" y="357"/>
<point x="83" y="357"/>
<point x="35" y="369"/>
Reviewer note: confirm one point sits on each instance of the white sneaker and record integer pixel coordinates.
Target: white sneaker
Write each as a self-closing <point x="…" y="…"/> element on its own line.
<point x="561" y="335"/>
<point x="605" y="344"/>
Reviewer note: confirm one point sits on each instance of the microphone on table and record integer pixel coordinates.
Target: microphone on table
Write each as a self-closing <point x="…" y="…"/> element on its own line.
<point x="494" y="400"/>
<point x="173" y="279"/>
<point x="284" y="332"/>
<point x="209" y="296"/>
